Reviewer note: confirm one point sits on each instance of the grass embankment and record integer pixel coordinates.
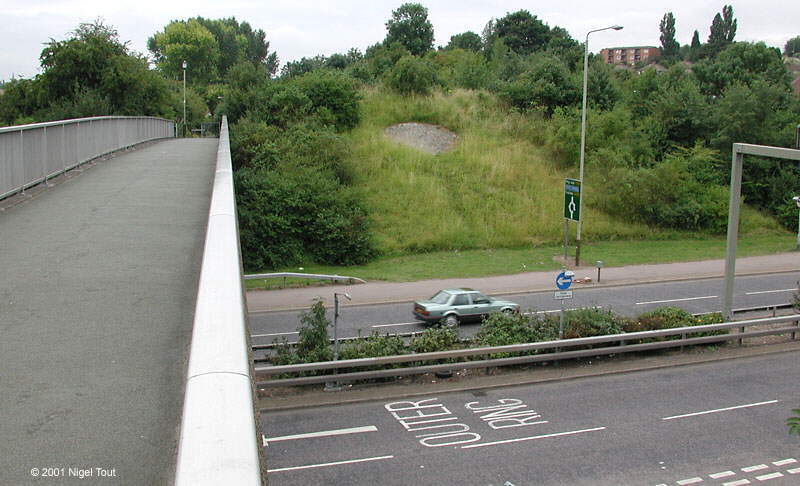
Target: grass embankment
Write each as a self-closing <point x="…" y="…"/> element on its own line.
<point x="494" y="204"/>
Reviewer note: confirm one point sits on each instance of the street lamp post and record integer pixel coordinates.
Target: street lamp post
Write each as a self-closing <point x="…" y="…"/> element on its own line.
<point x="184" y="97"/>
<point x="583" y="137"/>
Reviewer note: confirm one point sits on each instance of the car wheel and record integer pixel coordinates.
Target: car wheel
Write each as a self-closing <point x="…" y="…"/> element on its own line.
<point x="451" y="321"/>
<point x="508" y="312"/>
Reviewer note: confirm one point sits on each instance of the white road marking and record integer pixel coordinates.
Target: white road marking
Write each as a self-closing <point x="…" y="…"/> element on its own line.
<point x="767" y="477"/>
<point x="723" y="474"/>
<point x="737" y="483"/>
<point x="324" y="433"/>
<point x="785" y="462"/>
<point x="794" y="471"/>
<point x="273" y="334"/>
<point x="677" y="300"/>
<point x="398" y="324"/>
<point x="337" y="463"/>
<point x="719" y="410"/>
<point x="759" y="467"/>
<point x="547" y="436"/>
<point x="684" y="482"/>
<point x="769" y="291"/>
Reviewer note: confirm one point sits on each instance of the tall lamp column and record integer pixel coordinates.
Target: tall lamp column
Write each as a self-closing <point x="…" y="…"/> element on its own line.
<point x="583" y="137"/>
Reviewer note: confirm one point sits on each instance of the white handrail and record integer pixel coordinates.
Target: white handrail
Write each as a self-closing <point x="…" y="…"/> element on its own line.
<point x="219" y="441"/>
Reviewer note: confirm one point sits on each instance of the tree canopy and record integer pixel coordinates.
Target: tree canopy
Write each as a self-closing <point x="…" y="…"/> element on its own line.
<point x="669" y="46"/>
<point x="409" y="25"/>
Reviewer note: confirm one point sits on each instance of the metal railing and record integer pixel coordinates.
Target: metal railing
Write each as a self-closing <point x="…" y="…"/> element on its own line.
<point x="32" y="154"/>
<point x="220" y="438"/>
<point x="619" y="346"/>
<point x="317" y="276"/>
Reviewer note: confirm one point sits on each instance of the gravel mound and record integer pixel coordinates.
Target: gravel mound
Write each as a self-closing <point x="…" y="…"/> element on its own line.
<point x="423" y="136"/>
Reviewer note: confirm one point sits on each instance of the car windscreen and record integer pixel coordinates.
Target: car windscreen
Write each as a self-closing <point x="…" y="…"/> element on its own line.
<point x="441" y="297"/>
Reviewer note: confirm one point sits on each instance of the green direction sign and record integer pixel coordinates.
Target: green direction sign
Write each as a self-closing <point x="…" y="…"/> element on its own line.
<point x="572" y="199"/>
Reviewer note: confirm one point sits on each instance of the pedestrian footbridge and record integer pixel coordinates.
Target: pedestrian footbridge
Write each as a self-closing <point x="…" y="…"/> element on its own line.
<point x="122" y="325"/>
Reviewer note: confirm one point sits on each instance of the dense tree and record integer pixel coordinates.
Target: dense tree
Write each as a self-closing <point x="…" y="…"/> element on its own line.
<point x="723" y="30"/>
<point x="469" y="41"/>
<point x="547" y="85"/>
<point x="792" y="47"/>
<point x="669" y="46"/>
<point x="412" y="75"/>
<point x="522" y="32"/>
<point x="188" y="41"/>
<point x="695" y="48"/>
<point x="210" y="47"/>
<point x="741" y="62"/>
<point x="409" y="25"/>
<point x="91" y="73"/>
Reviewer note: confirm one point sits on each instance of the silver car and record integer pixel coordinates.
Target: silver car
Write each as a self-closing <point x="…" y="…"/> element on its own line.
<point x="459" y="305"/>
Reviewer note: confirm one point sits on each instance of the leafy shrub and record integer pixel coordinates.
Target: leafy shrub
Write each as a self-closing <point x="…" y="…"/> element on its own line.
<point x="548" y="84"/>
<point x="334" y="92"/>
<point x="434" y="339"/>
<point x="412" y="75"/>
<point x="287" y="216"/>
<point x="373" y="346"/>
<point x="666" y="195"/>
<point x="502" y="329"/>
<point x="665" y="318"/>
<point x="313" y="344"/>
<point x="592" y="321"/>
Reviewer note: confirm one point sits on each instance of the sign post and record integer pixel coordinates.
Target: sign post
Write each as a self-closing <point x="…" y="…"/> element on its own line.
<point x="572" y="209"/>
<point x="563" y="282"/>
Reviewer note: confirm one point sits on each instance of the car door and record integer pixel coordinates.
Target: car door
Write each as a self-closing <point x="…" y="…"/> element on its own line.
<point x="482" y="305"/>
<point x="462" y="306"/>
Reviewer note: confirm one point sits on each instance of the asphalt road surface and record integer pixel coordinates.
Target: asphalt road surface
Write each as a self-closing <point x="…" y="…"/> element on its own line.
<point x="721" y="423"/>
<point x="695" y="296"/>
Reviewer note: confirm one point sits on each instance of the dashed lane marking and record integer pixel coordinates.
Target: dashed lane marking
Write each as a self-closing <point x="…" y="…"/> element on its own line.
<point x="767" y="477"/>
<point x="740" y="482"/>
<point x="328" y="464"/>
<point x="785" y="462"/>
<point x="324" y="433"/>
<point x="723" y="474"/>
<point x="684" y="482"/>
<point x="758" y="467"/>
<point x="694" y="414"/>
<point x="677" y="300"/>
<point x="769" y="291"/>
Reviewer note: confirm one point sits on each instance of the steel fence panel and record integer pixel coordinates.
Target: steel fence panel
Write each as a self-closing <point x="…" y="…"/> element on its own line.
<point x="30" y="154"/>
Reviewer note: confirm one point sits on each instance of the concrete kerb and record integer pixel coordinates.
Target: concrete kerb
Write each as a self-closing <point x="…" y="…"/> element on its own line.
<point x="632" y="364"/>
<point x="538" y="290"/>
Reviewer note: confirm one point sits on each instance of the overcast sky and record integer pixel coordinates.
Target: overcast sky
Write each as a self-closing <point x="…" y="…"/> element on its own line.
<point x="302" y="28"/>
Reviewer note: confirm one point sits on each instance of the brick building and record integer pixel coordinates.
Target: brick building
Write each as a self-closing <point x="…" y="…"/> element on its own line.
<point x="629" y="56"/>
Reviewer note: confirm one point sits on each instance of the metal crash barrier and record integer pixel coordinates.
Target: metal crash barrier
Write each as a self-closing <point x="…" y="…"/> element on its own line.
<point x="220" y="439"/>
<point x="32" y="154"/>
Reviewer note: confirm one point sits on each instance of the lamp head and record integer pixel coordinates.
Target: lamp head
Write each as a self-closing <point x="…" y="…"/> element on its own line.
<point x="617" y="27"/>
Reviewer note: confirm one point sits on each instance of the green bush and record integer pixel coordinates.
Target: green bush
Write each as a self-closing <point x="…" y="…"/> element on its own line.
<point x="666" y="195"/>
<point x="591" y="321"/>
<point x="333" y="92"/>
<point x="412" y="75"/>
<point x="503" y="329"/>
<point x="313" y="344"/>
<point x="434" y="339"/>
<point x="373" y="346"/>
<point x="548" y="84"/>
<point x="286" y="217"/>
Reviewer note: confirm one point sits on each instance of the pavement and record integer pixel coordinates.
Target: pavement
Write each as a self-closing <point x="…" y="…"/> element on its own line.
<point x="393" y="292"/>
<point x="97" y="302"/>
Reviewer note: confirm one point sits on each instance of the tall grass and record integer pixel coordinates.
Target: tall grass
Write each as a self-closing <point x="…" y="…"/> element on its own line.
<point x="498" y="188"/>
